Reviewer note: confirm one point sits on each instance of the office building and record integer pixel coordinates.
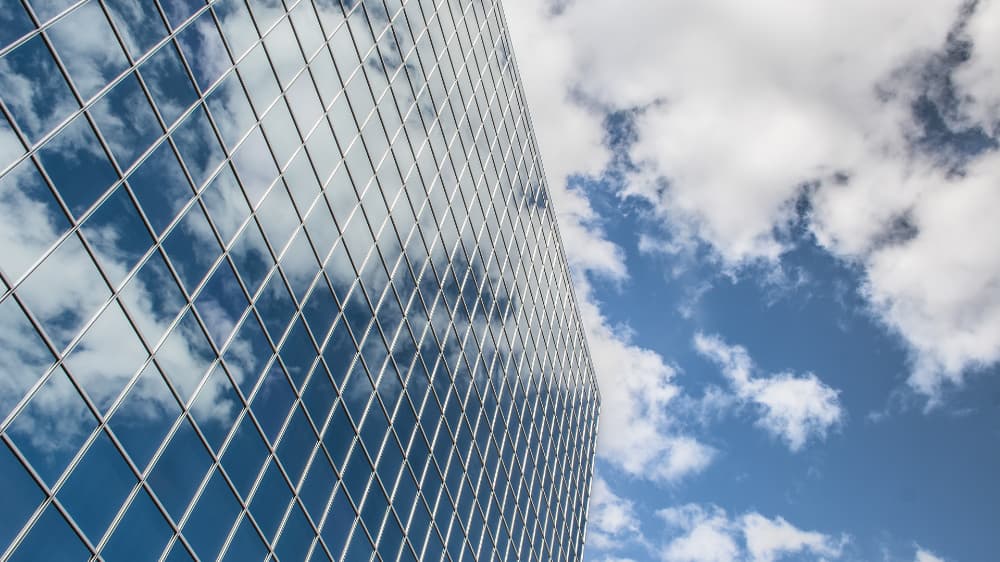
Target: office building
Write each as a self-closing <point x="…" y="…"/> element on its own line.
<point x="281" y="279"/>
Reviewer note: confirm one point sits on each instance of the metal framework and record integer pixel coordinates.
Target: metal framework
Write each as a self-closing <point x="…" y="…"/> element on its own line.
<point x="281" y="280"/>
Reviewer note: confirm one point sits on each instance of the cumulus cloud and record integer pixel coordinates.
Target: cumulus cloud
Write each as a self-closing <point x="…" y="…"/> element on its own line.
<point x="705" y="535"/>
<point x="746" y="111"/>
<point x="699" y="533"/>
<point x="926" y="556"/>
<point x="611" y="521"/>
<point x="638" y="431"/>
<point x="794" y="408"/>
<point x="770" y="539"/>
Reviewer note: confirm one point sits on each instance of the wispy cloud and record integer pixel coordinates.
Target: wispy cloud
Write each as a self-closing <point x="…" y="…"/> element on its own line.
<point x="794" y="408"/>
<point x="706" y="533"/>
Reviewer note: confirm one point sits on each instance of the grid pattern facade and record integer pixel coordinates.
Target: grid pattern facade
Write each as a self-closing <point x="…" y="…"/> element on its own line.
<point x="280" y="280"/>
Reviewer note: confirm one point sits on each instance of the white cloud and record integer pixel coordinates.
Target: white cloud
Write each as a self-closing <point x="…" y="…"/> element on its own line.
<point x="743" y="105"/>
<point x="638" y="432"/>
<point x="926" y="556"/>
<point x="707" y="535"/>
<point x="794" y="408"/>
<point x="770" y="539"/>
<point x="611" y="520"/>
<point x="698" y="533"/>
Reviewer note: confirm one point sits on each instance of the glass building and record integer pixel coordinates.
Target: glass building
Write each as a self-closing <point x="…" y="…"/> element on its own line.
<point x="281" y="280"/>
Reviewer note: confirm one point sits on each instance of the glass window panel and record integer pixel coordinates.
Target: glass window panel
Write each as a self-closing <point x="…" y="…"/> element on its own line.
<point x="357" y="475"/>
<point x="278" y="217"/>
<point x="221" y="303"/>
<point x="319" y="395"/>
<point x="251" y="256"/>
<point x="185" y="356"/>
<point x="255" y="166"/>
<point x="391" y="539"/>
<point x="244" y="456"/>
<point x="318" y="486"/>
<point x="275" y="307"/>
<point x="192" y="247"/>
<point x="247" y="354"/>
<point x="32" y="218"/>
<point x="139" y="23"/>
<point x="358" y="313"/>
<point x="330" y="14"/>
<point x="78" y="166"/>
<point x="51" y="538"/>
<point x="52" y="427"/>
<point x="324" y="72"/>
<point x="237" y="25"/>
<point x="339" y="521"/>
<point x="339" y="436"/>
<point x="270" y="501"/>
<point x="169" y="83"/>
<point x="267" y="13"/>
<point x="153" y="298"/>
<point x="212" y="518"/>
<point x="141" y="534"/>
<point x="357" y="391"/>
<point x="282" y="136"/>
<point x="204" y="50"/>
<point x="10" y="146"/>
<point x="246" y="544"/>
<point x="260" y="81"/>
<point x="160" y="186"/>
<point x="296" y="536"/>
<point x="127" y="121"/>
<point x="301" y="182"/>
<point x="88" y="48"/>
<point x="14" y="23"/>
<point x="107" y="357"/>
<point x="179" y="470"/>
<point x="117" y="235"/>
<point x="198" y="146"/>
<point x="215" y="407"/>
<point x="64" y="291"/>
<point x="360" y="548"/>
<point x="145" y="416"/>
<point x="305" y="104"/>
<point x="300" y="265"/>
<point x="307" y="28"/>
<point x="272" y="402"/>
<point x="323" y="149"/>
<point x="21" y="496"/>
<point x="231" y="110"/>
<point x="342" y="119"/>
<point x="179" y="11"/>
<point x="296" y="445"/>
<point x="226" y="205"/>
<point x="320" y="310"/>
<point x="284" y="51"/>
<point x="297" y="352"/>
<point x="97" y="487"/>
<point x="339" y="352"/>
<point x="178" y="553"/>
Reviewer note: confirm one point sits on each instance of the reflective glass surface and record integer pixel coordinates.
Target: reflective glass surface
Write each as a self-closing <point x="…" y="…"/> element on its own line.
<point x="280" y="280"/>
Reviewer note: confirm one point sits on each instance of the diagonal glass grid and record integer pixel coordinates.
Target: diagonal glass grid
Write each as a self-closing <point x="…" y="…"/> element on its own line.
<point x="355" y="250"/>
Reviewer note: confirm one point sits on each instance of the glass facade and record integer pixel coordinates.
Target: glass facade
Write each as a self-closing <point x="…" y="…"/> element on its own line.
<point x="281" y="280"/>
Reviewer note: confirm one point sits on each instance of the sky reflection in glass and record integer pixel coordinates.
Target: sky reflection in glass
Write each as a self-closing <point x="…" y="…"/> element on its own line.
<point x="275" y="283"/>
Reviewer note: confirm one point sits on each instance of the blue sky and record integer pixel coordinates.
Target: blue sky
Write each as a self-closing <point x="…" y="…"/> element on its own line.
<point x="780" y="219"/>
